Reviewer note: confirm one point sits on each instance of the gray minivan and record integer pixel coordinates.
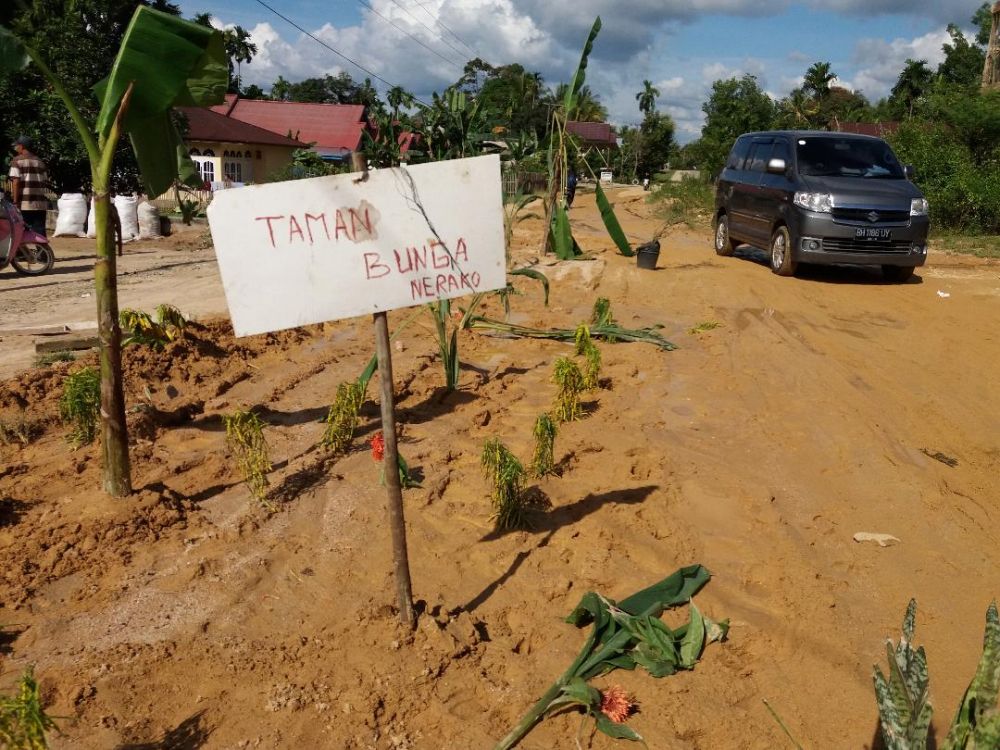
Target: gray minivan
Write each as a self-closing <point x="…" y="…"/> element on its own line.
<point x="821" y="197"/>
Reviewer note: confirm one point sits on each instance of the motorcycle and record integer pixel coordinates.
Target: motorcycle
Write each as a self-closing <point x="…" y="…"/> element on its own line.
<point x="21" y="247"/>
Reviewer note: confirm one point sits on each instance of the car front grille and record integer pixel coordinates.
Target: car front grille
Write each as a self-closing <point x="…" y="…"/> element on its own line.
<point x="837" y="245"/>
<point x="862" y="216"/>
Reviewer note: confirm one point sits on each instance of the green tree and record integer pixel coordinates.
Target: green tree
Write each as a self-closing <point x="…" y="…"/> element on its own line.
<point x="817" y="80"/>
<point x="647" y="97"/>
<point x="735" y="106"/>
<point x="963" y="62"/>
<point x="587" y="106"/>
<point x="913" y="83"/>
<point x="982" y="20"/>
<point x="253" y="91"/>
<point x="281" y="90"/>
<point x="656" y="144"/>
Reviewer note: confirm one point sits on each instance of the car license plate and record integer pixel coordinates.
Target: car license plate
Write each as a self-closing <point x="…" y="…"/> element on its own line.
<point x="872" y="233"/>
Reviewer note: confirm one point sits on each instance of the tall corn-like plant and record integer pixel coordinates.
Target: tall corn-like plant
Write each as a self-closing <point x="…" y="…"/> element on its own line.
<point x="163" y="62"/>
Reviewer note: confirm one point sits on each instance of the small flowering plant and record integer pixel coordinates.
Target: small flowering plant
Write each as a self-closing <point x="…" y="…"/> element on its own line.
<point x="378" y="454"/>
<point x="625" y="635"/>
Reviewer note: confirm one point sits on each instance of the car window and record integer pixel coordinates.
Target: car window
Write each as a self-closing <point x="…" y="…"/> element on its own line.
<point x="781" y="151"/>
<point x="760" y="152"/>
<point x="738" y="154"/>
<point x="847" y="157"/>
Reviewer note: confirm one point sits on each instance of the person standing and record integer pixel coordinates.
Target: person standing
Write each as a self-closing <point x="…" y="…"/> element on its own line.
<point x="570" y="187"/>
<point x="29" y="183"/>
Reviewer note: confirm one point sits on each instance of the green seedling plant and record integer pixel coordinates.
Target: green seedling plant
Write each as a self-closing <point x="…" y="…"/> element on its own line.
<point x="703" y="327"/>
<point x="625" y="635"/>
<point x="904" y="704"/>
<point x="245" y="438"/>
<point x="506" y="476"/>
<point x="342" y="419"/>
<point x="543" y="459"/>
<point x="50" y="358"/>
<point x="23" y="721"/>
<point x="80" y="405"/>
<point x="592" y="355"/>
<point x="570" y="384"/>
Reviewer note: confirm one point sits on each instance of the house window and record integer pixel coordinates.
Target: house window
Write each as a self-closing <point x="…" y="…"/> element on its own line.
<point x="208" y="152"/>
<point x="194" y="152"/>
<point x="232" y="168"/>
<point x="206" y="167"/>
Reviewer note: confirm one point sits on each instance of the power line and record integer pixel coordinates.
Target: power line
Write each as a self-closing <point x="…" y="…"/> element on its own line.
<point x="441" y="39"/>
<point x="316" y="39"/>
<point x="407" y="33"/>
<point x="440" y="23"/>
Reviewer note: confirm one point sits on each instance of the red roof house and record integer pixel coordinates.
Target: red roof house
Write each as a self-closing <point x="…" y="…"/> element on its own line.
<point x="599" y="134"/>
<point x="335" y="130"/>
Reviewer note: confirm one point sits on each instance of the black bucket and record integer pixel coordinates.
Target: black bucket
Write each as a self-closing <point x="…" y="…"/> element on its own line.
<point x="647" y="255"/>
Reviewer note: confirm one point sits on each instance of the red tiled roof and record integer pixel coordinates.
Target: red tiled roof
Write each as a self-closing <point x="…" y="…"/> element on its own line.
<point x="597" y="133"/>
<point x="878" y="129"/>
<point x="207" y="125"/>
<point x="334" y="128"/>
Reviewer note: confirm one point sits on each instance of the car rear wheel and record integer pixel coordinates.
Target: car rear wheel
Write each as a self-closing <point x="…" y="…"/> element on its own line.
<point x="724" y="244"/>
<point x="897" y="274"/>
<point x="782" y="261"/>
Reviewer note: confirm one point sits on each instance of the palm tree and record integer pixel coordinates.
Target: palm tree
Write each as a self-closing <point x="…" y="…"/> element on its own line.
<point x="398" y="97"/>
<point x="588" y="107"/>
<point x="798" y="109"/>
<point x="818" y="79"/>
<point x="647" y="97"/>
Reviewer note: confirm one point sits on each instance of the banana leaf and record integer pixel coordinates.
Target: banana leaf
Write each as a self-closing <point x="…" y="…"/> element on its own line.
<point x="537" y="275"/>
<point x="171" y="62"/>
<point x="562" y="236"/>
<point x="569" y="103"/>
<point x="611" y="223"/>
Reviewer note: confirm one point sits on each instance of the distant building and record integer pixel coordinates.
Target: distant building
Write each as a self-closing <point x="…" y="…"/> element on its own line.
<point x="332" y="130"/>
<point x="226" y="149"/>
<point x="877" y="129"/>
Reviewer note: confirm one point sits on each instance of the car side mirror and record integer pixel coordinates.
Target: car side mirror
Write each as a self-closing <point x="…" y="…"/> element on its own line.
<point x="908" y="172"/>
<point x="776" y="166"/>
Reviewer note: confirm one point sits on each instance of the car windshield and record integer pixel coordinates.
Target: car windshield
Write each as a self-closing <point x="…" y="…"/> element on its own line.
<point x="847" y="157"/>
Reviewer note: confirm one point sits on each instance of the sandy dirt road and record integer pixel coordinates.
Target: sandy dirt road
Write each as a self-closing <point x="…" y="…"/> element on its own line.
<point x="819" y="407"/>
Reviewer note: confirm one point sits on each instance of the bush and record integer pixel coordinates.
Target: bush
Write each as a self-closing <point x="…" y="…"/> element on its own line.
<point x="963" y="195"/>
<point x="80" y="405"/>
<point x="690" y="201"/>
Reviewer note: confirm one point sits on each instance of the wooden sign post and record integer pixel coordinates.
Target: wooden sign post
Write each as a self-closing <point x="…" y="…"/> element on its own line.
<point x="309" y="251"/>
<point x="390" y="459"/>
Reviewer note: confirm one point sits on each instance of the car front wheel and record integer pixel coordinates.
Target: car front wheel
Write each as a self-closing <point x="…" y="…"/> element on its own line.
<point x="724" y="244"/>
<point x="783" y="262"/>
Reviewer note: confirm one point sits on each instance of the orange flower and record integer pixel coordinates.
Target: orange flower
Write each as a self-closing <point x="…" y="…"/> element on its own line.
<point x="378" y="446"/>
<point x="616" y="704"/>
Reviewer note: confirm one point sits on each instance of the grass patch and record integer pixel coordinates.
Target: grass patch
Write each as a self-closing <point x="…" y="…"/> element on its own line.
<point x="690" y="201"/>
<point x="80" y="405"/>
<point x="18" y="429"/>
<point x="50" y="358"/>
<point x="981" y="246"/>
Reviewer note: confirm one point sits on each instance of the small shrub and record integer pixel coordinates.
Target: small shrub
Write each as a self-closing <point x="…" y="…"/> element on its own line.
<point x="506" y="477"/>
<point x="23" y="722"/>
<point x="601" y="315"/>
<point x="585" y="346"/>
<point x="570" y="382"/>
<point x="80" y="405"/>
<point x="543" y="460"/>
<point x="342" y="419"/>
<point x="245" y="438"/>
<point x="19" y="428"/>
<point x="690" y="201"/>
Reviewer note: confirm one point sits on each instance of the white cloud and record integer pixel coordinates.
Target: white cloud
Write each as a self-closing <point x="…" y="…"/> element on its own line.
<point x="879" y="62"/>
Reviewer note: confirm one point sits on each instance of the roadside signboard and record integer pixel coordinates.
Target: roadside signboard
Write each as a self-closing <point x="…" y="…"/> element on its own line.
<point x="308" y="251"/>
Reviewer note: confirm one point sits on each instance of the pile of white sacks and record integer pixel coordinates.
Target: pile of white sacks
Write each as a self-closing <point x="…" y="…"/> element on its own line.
<point x="140" y="221"/>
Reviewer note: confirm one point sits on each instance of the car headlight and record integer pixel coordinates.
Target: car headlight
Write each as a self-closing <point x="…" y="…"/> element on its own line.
<point x="918" y="207"/>
<point x="819" y="202"/>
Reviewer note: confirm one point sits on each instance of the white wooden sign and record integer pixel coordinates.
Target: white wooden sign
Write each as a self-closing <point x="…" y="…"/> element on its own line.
<point x="308" y="251"/>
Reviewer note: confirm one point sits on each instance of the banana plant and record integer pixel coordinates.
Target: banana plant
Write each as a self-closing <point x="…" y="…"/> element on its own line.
<point x="559" y="239"/>
<point x="163" y="62"/>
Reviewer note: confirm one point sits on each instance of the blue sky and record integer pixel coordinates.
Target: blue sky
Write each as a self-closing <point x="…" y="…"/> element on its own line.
<point x="681" y="45"/>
